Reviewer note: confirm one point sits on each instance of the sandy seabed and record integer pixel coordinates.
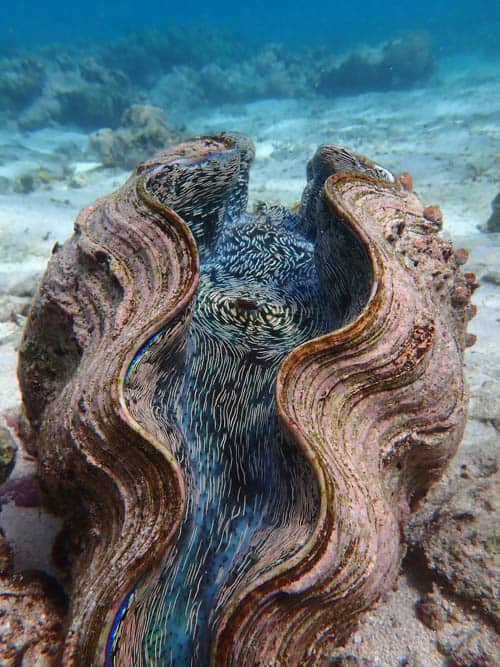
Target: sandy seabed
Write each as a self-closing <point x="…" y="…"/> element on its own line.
<point x="447" y="135"/>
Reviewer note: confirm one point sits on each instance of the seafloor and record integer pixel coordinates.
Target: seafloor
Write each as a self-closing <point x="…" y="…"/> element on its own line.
<point x="446" y="133"/>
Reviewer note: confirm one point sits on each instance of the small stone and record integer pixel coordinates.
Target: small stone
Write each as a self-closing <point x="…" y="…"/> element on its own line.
<point x="430" y="611"/>
<point x="492" y="277"/>
<point x="493" y="222"/>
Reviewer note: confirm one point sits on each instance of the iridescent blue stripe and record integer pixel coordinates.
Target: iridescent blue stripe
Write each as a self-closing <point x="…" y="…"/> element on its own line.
<point x="144" y="348"/>
<point x="113" y="635"/>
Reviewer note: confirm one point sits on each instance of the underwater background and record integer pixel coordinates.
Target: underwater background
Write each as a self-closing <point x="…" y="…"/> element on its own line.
<point x="89" y="89"/>
<point x="452" y="25"/>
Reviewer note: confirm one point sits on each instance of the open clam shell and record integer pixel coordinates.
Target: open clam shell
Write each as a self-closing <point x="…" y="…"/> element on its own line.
<point x="235" y="413"/>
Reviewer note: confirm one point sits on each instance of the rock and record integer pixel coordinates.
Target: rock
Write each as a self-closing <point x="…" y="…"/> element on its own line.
<point x="469" y="644"/>
<point x="32" y="604"/>
<point x="143" y="131"/>
<point x="411" y="660"/>
<point x="432" y="610"/>
<point x="493" y="222"/>
<point x="32" y="609"/>
<point x="485" y="403"/>
<point x="492" y="277"/>
<point x="27" y="286"/>
<point x="455" y="533"/>
<point x="461" y="635"/>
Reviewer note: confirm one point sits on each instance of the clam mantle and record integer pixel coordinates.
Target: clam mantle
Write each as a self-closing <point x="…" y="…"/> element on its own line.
<point x="236" y="412"/>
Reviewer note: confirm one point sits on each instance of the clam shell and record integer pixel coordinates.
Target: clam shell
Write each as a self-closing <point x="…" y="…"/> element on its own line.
<point x="346" y="318"/>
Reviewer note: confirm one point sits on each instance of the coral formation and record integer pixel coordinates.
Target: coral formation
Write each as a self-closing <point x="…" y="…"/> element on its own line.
<point x="98" y="97"/>
<point x="32" y="611"/>
<point x="271" y="73"/>
<point x="144" y="55"/>
<point x="143" y="130"/>
<point x="236" y="470"/>
<point x="78" y="92"/>
<point x="32" y="606"/>
<point x="397" y="64"/>
<point x="181" y="69"/>
<point x="21" y="81"/>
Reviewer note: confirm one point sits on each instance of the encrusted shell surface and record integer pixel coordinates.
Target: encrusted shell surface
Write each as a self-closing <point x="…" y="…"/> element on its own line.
<point x="236" y="413"/>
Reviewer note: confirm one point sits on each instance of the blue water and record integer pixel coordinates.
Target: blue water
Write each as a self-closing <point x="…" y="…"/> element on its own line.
<point x="453" y="24"/>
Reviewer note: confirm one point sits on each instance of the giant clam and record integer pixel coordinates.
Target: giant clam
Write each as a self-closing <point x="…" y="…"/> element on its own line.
<point x="236" y="412"/>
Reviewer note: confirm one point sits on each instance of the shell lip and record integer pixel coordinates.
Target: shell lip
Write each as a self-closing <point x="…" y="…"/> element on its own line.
<point x="329" y="340"/>
<point x="287" y="574"/>
<point x="129" y="360"/>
